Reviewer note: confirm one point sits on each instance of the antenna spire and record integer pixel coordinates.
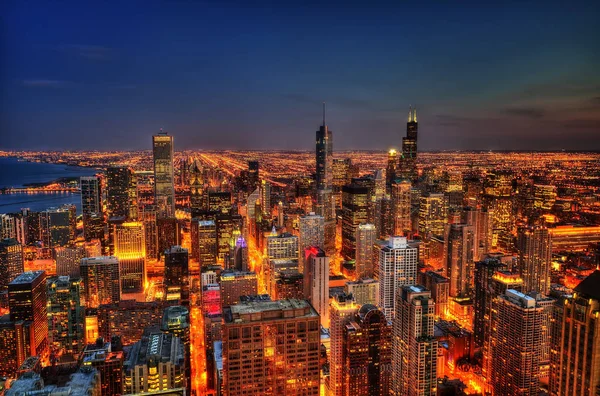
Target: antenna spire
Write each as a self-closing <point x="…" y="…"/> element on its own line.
<point x="415" y="115"/>
<point x="323" y="113"/>
<point x="410" y="114"/>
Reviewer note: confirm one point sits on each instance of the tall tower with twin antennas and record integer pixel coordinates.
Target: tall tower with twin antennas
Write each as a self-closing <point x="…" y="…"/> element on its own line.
<point x="408" y="160"/>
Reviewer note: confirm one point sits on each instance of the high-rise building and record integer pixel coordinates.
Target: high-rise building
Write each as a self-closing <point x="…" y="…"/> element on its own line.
<point x="164" y="188"/>
<point x="177" y="274"/>
<point x="27" y="302"/>
<point x="479" y="219"/>
<point x="235" y="284"/>
<point x="439" y="286"/>
<point x="366" y="234"/>
<point x="484" y="272"/>
<point x="128" y="319"/>
<point x="433" y="214"/>
<point x="343" y="309"/>
<point x="130" y="249"/>
<point x="364" y="291"/>
<point x="204" y="241"/>
<point x="7" y="227"/>
<point x="253" y="175"/>
<point x="15" y="339"/>
<point x="355" y="211"/>
<point x="101" y="282"/>
<point x="11" y="262"/>
<point x="535" y="258"/>
<point x="311" y="233"/>
<point x="168" y="232"/>
<point x="400" y="193"/>
<point x="65" y="316"/>
<point x="109" y="363"/>
<point x="121" y="192"/>
<point x="518" y="341"/>
<point x="147" y="216"/>
<point x="324" y="156"/>
<point x="197" y="200"/>
<point x="459" y="259"/>
<point x="91" y="201"/>
<point x="316" y="281"/>
<point x="575" y="366"/>
<point x="176" y="321"/>
<point x="284" y="359"/>
<point x="68" y="260"/>
<point x="384" y="217"/>
<point x="58" y="226"/>
<point x="391" y="170"/>
<point x="397" y="266"/>
<point x="155" y="363"/>
<point x="408" y="161"/>
<point x="282" y="246"/>
<point x="414" y="347"/>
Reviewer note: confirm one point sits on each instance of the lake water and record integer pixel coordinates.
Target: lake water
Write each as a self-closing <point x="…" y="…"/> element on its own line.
<point x="15" y="173"/>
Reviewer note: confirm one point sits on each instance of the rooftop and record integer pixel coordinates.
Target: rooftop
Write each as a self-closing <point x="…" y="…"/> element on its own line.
<point x="251" y="311"/>
<point x="590" y="286"/>
<point x="27" y="277"/>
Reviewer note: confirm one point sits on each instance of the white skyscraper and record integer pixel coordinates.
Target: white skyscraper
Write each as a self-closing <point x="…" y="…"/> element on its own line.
<point x="397" y="267"/>
<point x="365" y="239"/>
<point x="316" y="281"/>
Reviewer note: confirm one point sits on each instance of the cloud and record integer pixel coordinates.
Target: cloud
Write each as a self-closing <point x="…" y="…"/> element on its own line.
<point x="91" y="52"/>
<point x="44" y="83"/>
<point x="526" y="112"/>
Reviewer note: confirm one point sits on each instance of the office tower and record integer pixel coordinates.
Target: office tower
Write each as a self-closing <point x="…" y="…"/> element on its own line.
<point x="518" y="331"/>
<point x="265" y="198"/>
<point x="384" y="217"/>
<point x="128" y="319"/>
<point x="479" y="219"/>
<point x="11" y="262"/>
<point x="253" y="174"/>
<point x="343" y="309"/>
<point x="121" y="192"/>
<point x="68" y="260"/>
<point x="7" y="227"/>
<point x="324" y="156"/>
<point x="197" y="202"/>
<point x="325" y="207"/>
<point x="220" y="202"/>
<point x="355" y="209"/>
<point x="364" y="291"/>
<point x="27" y="302"/>
<point x="147" y="216"/>
<point x="176" y="321"/>
<point x="130" y="249"/>
<point x="288" y="284"/>
<point x="408" y="161"/>
<point x="91" y="200"/>
<point x="433" y="214"/>
<point x="235" y="284"/>
<point x="169" y="233"/>
<point x="459" y="259"/>
<point x="400" y="192"/>
<point x="544" y="196"/>
<point x="498" y="199"/>
<point x="164" y="189"/>
<point x="15" y="338"/>
<point x="391" y="169"/>
<point x="177" y="274"/>
<point x="204" y="242"/>
<point x="365" y="239"/>
<point x="439" y="286"/>
<point x="283" y="246"/>
<point x="228" y="228"/>
<point x="240" y="255"/>
<point x="484" y="272"/>
<point x="414" y="347"/>
<point x="155" y="363"/>
<point x="316" y="281"/>
<point x="109" y="364"/>
<point x="284" y="359"/>
<point x="397" y="267"/>
<point x="311" y="233"/>
<point x="342" y="170"/>
<point x="575" y="368"/>
<point x="57" y="227"/>
<point x="367" y="348"/>
<point x="535" y="258"/>
<point x="101" y="282"/>
<point x="65" y="316"/>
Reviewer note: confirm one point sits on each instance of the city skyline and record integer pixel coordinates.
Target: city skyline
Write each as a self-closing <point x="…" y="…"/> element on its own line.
<point x="485" y="77"/>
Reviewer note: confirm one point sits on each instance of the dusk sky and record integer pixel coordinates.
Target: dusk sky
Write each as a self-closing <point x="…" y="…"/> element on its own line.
<point x="107" y="75"/>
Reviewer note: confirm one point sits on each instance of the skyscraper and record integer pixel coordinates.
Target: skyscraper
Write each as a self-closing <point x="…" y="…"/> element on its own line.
<point x="316" y="281"/>
<point x="284" y="358"/>
<point x="27" y="302"/>
<point x="58" y="226"/>
<point x="235" y="284"/>
<point x="177" y="273"/>
<point x="408" y="160"/>
<point x="91" y="201"/>
<point x="11" y="262"/>
<point x="204" y="241"/>
<point x="366" y="234"/>
<point x="400" y="192"/>
<point x="65" y="316"/>
<point x="391" y="169"/>
<point x="459" y="259"/>
<point x="343" y="309"/>
<point x="164" y="189"/>
<point x="414" y="347"/>
<point x="575" y="367"/>
<point x="100" y="277"/>
<point x="311" y="233"/>
<point x="130" y="249"/>
<point x="121" y="192"/>
<point x="397" y="267"/>
<point x="433" y="214"/>
<point x="484" y="271"/>
<point x="535" y="258"/>
<point x="355" y="211"/>
<point x="253" y="175"/>
<point x="324" y="183"/>
<point x="518" y="343"/>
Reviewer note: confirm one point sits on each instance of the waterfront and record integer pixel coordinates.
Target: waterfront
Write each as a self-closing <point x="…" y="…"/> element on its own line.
<point x="15" y="173"/>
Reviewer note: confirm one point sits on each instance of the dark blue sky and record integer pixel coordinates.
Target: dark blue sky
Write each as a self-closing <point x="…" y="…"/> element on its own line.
<point x="106" y="75"/>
